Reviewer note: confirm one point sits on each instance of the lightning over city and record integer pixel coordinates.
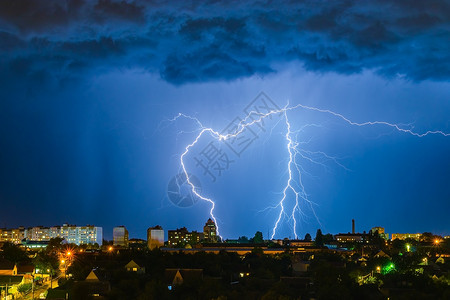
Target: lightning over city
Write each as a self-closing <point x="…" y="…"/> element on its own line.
<point x="250" y="149"/>
<point x="294" y="170"/>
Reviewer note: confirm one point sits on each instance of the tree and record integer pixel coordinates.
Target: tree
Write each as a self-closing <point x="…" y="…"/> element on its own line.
<point x="258" y="238"/>
<point x="243" y="240"/>
<point x="23" y="288"/>
<point x="54" y="245"/>
<point x="14" y="253"/>
<point x="427" y="237"/>
<point x="376" y="240"/>
<point x="46" y="262"/>
<point x="308" y="237"/>
<point x="319" y="238"/>
<point x="328" y="238"/>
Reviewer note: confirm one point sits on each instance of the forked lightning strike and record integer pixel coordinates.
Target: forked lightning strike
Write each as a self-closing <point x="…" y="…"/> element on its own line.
<point x="293" y="185"/>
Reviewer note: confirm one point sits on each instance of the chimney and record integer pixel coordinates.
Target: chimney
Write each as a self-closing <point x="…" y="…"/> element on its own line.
<point x="353" y="226"/>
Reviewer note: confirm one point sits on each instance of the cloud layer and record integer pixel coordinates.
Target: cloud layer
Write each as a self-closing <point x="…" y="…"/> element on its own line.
<point x="202" y="41"/>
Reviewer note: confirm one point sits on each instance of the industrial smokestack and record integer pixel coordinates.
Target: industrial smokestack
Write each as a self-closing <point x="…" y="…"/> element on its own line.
<point x="353" y="226"/>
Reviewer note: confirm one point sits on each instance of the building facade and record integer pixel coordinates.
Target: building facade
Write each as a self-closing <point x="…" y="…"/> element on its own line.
<point x="70" y="233"/>
<point x="351" y="238"/>
<point x="380" y="231"/>
<point x="182" y="237"/>
<point x="12" y="235"/>
<point x="120" y="236"/>
<point x="210" y="231"/>
<point x="404" y="236"/>
<point x="155" y="237"/>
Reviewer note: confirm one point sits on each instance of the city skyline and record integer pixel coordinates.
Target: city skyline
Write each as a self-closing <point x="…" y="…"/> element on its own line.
<point x="90" y="234"/>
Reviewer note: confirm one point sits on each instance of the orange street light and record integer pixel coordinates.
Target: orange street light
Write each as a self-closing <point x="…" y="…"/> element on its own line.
<point x="62" y="261"/>
<point x="110" y="248"/>
<point x="69" y="253"/>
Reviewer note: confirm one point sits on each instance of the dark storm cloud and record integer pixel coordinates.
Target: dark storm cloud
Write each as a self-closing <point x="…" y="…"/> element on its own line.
<point x="201" y="41"/>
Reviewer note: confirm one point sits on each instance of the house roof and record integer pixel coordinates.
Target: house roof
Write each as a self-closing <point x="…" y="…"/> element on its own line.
<point x="133" y="264"/>
<point x="92" y="276"/>
<point x="10" y="280"/>
<point x="381" y="253"/>
<point x="6" y="265"/>
<point x="186" y="274"/>
<point x="23" y="269"/>
<point x="96" y="275"/>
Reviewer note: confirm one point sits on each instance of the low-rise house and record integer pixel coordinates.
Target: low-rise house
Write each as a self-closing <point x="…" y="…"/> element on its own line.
<point x="132" y="266"/>
<point x="7" y="268"/>
<point x="440" y="260"/>
<point x="96" y="284"/>
<point x="11" y="284"/>
<point x="27" y="271"/>
<point x="381" y="253"/>
<point x="175" y="277"/>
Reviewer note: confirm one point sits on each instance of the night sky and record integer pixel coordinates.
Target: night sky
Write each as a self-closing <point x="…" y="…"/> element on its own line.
<point x="87" y="89"/>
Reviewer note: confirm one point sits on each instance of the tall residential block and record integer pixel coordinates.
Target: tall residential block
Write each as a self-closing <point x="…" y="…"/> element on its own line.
<point x="210" y="231"/>
<point x="70" y="233"/>
<point x="120" y="236"/>
<point x="155" y="237"/>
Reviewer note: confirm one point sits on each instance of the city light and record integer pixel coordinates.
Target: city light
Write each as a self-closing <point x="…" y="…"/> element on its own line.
<point x="408" y="247"/>
<point x="388" y="268"/>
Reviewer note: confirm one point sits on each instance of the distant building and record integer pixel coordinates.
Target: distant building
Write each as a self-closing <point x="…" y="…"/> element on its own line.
<point x="181" y="236"/>
<point x="78" y="234"/>
<point x="137" y="244"/>
<point x="352" y="237"/>
<point x="34" y="245"/>
<point x="404" y="236"/>
<point x="12" y="235"/>
<point x="210" y="231"/>
<point x="381" y="232"/>
<point x="155" y="237"/>
<point x="37" y="233"/>
<point x="296" y="243"/>
<point x="120" y="236"/>
<point x="70" y="233"/>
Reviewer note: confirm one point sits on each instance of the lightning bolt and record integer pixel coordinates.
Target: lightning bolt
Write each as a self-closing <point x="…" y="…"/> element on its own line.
<point x="293" y="185"/>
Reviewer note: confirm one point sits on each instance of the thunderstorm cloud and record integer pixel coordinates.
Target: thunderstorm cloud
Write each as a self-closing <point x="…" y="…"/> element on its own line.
<point x="190" y="41"/>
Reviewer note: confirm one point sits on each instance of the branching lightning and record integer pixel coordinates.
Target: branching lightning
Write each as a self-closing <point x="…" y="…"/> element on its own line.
<point x="294" y="183"/>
